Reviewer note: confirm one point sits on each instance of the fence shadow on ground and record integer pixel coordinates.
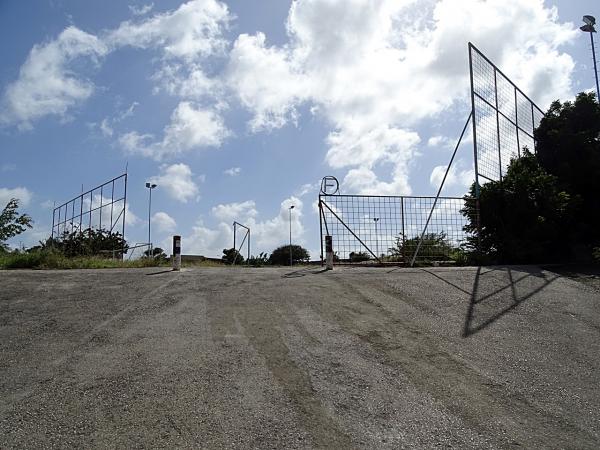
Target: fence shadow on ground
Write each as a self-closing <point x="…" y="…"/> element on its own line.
<point x="303" y="272"/>
<point x="486" y="306"/>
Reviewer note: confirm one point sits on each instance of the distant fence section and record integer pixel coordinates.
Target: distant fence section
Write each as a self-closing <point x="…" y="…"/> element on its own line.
<point x="387" y="229"/>
<point x="101" y="208"/>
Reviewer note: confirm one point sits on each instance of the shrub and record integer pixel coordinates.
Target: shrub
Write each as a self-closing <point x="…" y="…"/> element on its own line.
<point x="281" y="255"/>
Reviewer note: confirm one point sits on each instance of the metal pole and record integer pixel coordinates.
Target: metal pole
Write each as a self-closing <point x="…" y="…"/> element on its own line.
<point x="124" y="211"/>
<point x="290" y="237"/>
<point x="149" y="208"/>
<point x="595" y="67"/>
<point x="376" y="219"/>
<point x="321" y="228"/>
<point x="412" y="262"/>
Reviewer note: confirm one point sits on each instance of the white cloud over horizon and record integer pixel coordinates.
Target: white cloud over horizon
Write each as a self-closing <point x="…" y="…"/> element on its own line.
<point x="178" y="181"/>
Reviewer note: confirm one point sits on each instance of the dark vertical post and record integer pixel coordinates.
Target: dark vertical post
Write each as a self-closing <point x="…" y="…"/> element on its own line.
<point x="517" y="123"/>
<point x="112" y="201"/>
<point x="403" y="235"/>
<point x="58" y="223"/>
<point x="248" y="260"/>
<point x="124" y="210"/>
<point x="52" y="234"/>
<point x="498" y="123"/>
<point x="595" y="67"/>
<point x="321" y="227"/>
<point x="532" y="126"/>
<point x="72" y="215"/>
<point x="101" y="195"/>
<point x="80" y="211"/>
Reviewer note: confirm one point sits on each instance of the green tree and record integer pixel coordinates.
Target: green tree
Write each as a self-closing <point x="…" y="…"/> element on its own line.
<point x="90" y="242"/>
<point x="231" y="255"/>
<point x="434" y="247"/>
<point x="12" y="223"/>
<point x="568" y="147"/>
<point x="157" y="253"/>
<point x="281" y="255"/>
<point x="523" y="219"/>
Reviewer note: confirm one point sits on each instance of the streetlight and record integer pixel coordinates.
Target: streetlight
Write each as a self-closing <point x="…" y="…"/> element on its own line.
<point x="150" y="186"/>
<point x="291" y="207"/>
<point x="376" y="219"/>
<point x="590" y="21"/>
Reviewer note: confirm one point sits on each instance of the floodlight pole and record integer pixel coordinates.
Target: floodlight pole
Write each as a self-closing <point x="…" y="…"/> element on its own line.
<point x="590" y="21"/>
<point x="150" y="187"/>
<point x="595" y="67"/>
<point x="291" y="261"/>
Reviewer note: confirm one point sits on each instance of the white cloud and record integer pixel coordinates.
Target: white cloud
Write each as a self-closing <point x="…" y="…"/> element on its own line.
<point x="266" y="235"/>
<point x="141" y="10"/>
<point x="191" y="128"/>
<point x="163" y="222"/>
<point x="457" y="177"/>
<point x="23" y="194"/>
<point x="439" y="141"/>
<point x="376" y="70"/>
<point x="266" y="82"/>
<point x="178" y="181"/>
<point x="105" y="128"/>
<point x="192" y="31"/>
<point x="241" y="212"/>
<point x="8" y="167"/>
<point x="46" y="85"/>
<point x="233" y="171"/>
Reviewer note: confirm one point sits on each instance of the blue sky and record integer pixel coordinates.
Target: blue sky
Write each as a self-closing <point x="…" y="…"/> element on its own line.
<point x="237" y="109"/>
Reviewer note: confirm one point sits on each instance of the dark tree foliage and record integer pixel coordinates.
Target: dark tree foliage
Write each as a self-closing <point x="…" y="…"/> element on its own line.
<point x="568" y="147"/>
<point x="524" y="218"/>
<point x="434" y="247"/>
<point x="157" y="253"/>
<point x="257" y="261"/>
<point x="230" y="255"/>
<point x="359" y="256"/>
<point x="90" y="242"/>
<point x="11" y="223"/>
<point x="281" y="255"/>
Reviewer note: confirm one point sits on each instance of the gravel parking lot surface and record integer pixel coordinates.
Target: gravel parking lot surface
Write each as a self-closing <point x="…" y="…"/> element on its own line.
<point x="499" y="357"/>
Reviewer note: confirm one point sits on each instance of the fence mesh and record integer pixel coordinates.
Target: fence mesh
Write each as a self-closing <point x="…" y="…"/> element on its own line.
<point x="102" y="207"/>
<point x="389" y="227"/>
<point x="504" y="118"/>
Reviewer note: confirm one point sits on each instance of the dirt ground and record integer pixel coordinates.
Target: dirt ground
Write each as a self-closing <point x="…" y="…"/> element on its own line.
<point x="500" y="357"/>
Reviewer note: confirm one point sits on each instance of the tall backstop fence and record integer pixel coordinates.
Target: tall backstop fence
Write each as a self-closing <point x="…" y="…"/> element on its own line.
<point x="100" y="208"/>
<point x="388" y="229"/>
<point x="504" y="118"/>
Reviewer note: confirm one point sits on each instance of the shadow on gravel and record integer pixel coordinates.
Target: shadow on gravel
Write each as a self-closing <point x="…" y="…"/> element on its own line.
<point x="162" y="271"/>
<point x="303" y="273"/>
<point x="485" y="306"/>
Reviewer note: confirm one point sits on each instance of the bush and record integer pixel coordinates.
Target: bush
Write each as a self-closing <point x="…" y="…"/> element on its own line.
<point x="49" y="258"/>
<point x="359" y="256"/>
<point x="90" y="242"/>
<point x="258" y="261"/>
<point x="434" y="247"/>
<point x="231" y="256"/>
<point x="281" y="255"/>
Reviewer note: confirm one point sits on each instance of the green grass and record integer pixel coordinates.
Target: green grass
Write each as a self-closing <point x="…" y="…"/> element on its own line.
<point x="47" y="259"/>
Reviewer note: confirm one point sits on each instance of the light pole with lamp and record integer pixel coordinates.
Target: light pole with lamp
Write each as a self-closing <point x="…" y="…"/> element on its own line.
<point x="590" y="21"/>
<point x="150" y="186"/>
<point x="291" y="207"/>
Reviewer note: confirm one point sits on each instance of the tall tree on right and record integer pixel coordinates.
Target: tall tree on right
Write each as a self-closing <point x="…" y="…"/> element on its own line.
<point x="568" y="147"/>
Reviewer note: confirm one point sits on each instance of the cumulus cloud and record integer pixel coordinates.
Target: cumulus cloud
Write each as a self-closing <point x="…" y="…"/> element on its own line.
<point x="265" y="234"/>
<point x="233" y="171"/>
<point x="178" y="181"/>
<point x="375" y="71"/>
<point x="191" y="128"/>
<point x="163" y="222"/>
<point x="192" y="31"/>
<point x="141" y="10"/>
<point x="46" y="83"/>
<point x="23" y="194"/>
<point x="457" y="177"/>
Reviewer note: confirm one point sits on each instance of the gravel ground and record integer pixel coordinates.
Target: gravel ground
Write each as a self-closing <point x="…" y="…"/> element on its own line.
<point x="497" y="357"/>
